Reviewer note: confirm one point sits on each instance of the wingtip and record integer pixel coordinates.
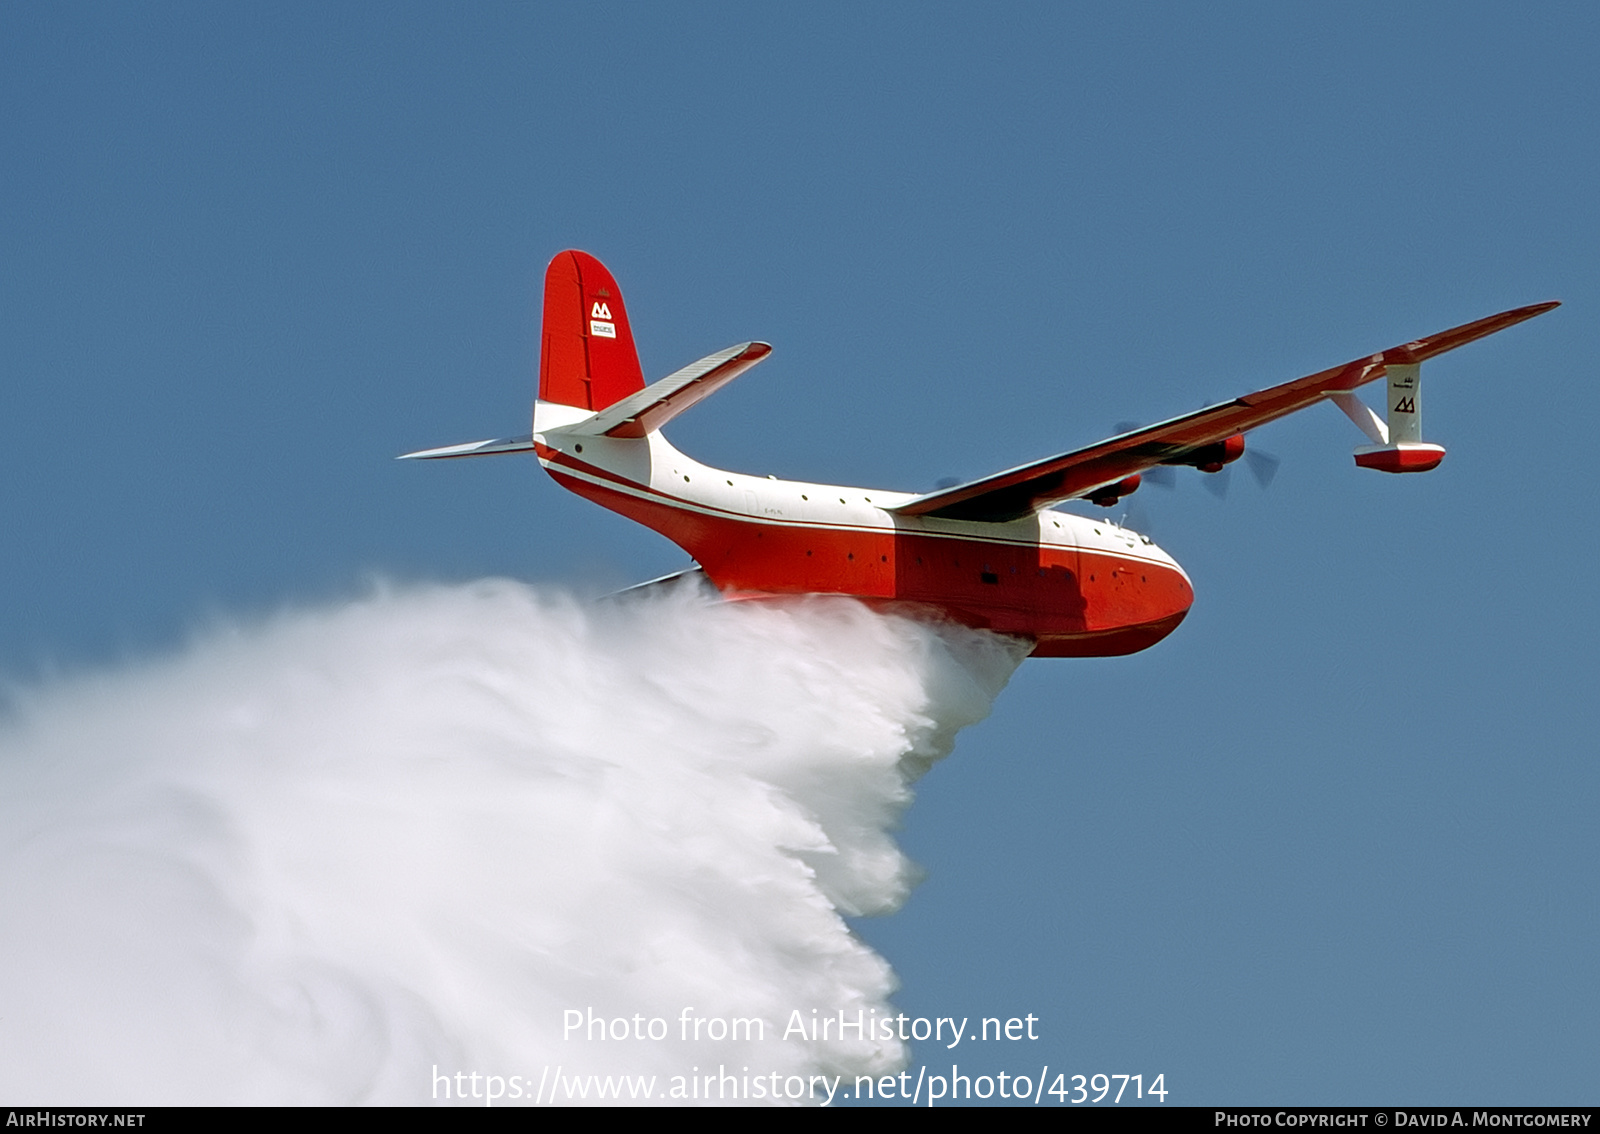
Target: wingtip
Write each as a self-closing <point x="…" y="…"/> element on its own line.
<point x="1532" y="311"/>
<point x="1518" y="314"/>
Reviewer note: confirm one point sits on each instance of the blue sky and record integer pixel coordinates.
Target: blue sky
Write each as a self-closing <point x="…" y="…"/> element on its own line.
<point x="1333" y="842"/>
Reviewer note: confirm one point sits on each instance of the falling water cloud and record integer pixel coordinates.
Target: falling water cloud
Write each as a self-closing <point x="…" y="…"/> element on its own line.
<point x="438" y="832"/>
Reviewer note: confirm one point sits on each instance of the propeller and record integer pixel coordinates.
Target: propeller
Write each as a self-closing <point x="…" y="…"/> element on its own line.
<point x="1162" y="476"/>
<point x="1263" y="467"/>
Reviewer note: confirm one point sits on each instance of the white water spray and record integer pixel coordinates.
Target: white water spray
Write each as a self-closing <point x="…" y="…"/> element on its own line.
<point x="324" y="859"/>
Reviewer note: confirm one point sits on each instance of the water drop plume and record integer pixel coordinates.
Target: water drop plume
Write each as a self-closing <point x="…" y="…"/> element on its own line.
<point x="326" y="857"/>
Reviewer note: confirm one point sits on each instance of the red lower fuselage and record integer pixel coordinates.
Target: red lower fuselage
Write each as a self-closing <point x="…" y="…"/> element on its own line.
<point x="1074" y="586"/>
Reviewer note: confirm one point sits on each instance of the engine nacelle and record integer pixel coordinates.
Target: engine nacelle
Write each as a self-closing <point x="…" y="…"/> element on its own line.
<point x="1211" y="458"/>
<point x="1108" y="495"/>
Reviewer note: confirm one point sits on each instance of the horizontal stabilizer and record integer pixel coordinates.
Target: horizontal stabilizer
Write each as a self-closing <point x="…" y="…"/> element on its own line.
<point x="473" y="449"/>
<point x="660" y="402"/>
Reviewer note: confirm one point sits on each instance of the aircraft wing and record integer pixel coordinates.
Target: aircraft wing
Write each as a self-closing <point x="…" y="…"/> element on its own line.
<point x="1015" y="493"/>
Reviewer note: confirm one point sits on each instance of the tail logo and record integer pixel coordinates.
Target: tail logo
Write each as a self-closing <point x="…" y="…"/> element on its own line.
<point x="600" y="321"/>
<point x="600" y="311"/>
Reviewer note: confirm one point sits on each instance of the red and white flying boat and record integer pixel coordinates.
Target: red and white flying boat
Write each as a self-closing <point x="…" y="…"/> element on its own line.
<point x="990" y="553"/>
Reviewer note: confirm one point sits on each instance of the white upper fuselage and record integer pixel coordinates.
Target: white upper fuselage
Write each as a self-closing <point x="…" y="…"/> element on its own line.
<point x="651" y="469"/>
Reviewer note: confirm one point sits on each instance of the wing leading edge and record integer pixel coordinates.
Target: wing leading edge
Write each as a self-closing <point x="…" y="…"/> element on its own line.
<point x="1017" y="492"/>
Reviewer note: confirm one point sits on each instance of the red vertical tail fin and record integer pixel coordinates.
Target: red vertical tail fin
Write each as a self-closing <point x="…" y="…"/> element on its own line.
<point x="586" y="357"/>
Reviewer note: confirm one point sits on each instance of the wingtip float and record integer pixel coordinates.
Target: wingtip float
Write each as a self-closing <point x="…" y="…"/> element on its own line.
<point x="991" y="553"/>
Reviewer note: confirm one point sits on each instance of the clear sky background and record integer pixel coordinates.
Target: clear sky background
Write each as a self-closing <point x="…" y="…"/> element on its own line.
<point x="1332" y="842"/>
